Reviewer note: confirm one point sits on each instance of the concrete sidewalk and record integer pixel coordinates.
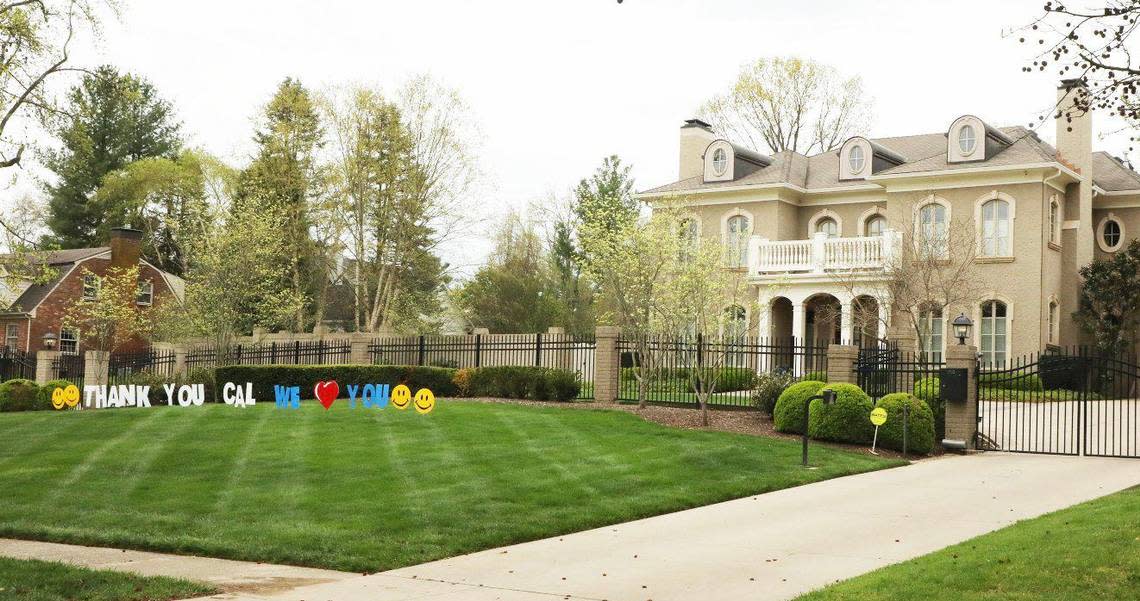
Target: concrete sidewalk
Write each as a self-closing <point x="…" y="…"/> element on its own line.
<point x="772" y="546"/>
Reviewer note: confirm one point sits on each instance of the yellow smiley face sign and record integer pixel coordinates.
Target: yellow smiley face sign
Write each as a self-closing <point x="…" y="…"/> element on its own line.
<point x="57" y="401"/>
<point x="71" y="395"/>
<point x="401" y="397"/>
<point x="878" y="416"/>
<point x="424" y="401"/>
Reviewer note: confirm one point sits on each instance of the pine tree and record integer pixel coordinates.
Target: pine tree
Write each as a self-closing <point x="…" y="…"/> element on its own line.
<point x="113" y="119"/>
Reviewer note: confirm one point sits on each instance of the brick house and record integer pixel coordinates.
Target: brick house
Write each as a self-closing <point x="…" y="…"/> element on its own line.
<point x="33" y="310"/>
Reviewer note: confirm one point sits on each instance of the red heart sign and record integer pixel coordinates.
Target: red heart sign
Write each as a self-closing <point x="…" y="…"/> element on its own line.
<point x="327" y="392"/>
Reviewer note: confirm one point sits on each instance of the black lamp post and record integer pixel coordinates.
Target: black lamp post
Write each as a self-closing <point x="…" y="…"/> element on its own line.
<point x="49" y="340"/>
<point x="827" y="395"/>
<point x="962" y="325"/>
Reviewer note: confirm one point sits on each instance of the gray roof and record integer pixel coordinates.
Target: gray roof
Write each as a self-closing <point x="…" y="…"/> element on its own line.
<point x="921" y="153"/>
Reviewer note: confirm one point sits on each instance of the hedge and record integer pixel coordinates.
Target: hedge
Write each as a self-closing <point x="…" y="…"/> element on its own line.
<point x="21" y="395"/>
<point x="728" y="380"/>
<point x="44" y="396"/>
<point x="265" y="377"/>
<point x="929" y="391"/>
<point x="512" y="382"/>
<point x="920" y="423"/>
<point x="848" y="419"/>
<point x="534" y="383"/>
<point x="814" y="376"/>
<point x="790" y="407"/>
<point x="1006" y="381"/>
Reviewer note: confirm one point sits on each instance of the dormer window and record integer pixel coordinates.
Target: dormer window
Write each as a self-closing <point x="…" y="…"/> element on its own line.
<point x="967" y="139"/>
<point x="720" y="161"/>
<point x="856" y="159"/>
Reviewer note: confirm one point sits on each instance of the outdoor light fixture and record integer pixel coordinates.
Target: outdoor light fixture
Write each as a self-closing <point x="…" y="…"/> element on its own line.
<point x="962" y="325"/>
<point x="49" y="340"/>
<point x="826" y="395"/>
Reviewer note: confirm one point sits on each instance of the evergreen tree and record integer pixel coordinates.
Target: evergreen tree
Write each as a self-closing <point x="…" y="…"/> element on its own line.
<point x="112" y="119"/>
<point x="285" y="177"/>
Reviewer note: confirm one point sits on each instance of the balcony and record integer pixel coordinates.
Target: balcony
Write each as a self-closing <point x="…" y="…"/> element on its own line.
<point x="821" y="255"/>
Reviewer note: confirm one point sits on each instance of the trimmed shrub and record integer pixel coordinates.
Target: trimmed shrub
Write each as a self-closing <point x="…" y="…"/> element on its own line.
<point x="920" y="423"/>
<point x="202" y="375"/>
<point x="517" y="382"/>
<point x="43" y="399"/>
<point x="846" y="420"/>
<point x="462" y="381"/>
<point x="814" y="376"/>
<point x="1006" y="381"/>
<point x="929" y="391"/>
<point x="21" y="395"/>
<point x="768" y="388"/>
<point x="264" y="377"/>
<point x="790" y="406"/>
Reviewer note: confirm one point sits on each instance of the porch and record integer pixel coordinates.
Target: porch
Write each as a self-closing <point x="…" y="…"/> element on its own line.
<point x="821" y="255"/>
<point x="818" y="315"/>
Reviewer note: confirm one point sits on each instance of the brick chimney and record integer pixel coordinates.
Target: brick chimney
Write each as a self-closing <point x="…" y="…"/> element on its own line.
<point x="126" y="247"/>
<point x="696" y="135"/>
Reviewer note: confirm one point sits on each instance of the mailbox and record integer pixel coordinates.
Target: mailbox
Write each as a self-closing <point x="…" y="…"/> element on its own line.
<point x="952" y="384"/>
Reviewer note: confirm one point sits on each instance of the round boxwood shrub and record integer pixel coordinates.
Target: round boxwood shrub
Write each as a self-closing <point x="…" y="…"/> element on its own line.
<point x="929" y="391"/>
<point x="790" y="407"/>
<point x="20" y="395"/>
<point x="848" y="419"/>
<point x="920" y="424"/>
<point x="43" y="397"/>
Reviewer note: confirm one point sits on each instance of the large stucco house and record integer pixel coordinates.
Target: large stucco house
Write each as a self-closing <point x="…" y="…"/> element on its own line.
<point x="793" y="221"/>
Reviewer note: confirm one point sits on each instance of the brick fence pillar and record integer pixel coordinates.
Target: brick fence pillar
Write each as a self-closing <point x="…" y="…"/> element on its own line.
<point x="180" y="353"/>
<point x="95" y="364"/>
<point x="45" y="366"/>
<point x="607" y="362"/>
<point x="358" y="349"/>
<point x="841" y="360"/>
<point x="962" y="418"/>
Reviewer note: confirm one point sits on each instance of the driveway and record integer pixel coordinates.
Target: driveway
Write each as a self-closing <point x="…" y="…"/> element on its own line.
<point x="772" y="546"/>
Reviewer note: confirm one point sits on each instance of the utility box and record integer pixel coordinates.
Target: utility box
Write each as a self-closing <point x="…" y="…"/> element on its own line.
<point x="952" y="384"/>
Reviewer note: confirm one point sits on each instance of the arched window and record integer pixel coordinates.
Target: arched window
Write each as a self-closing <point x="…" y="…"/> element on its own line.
<point x="1052" y="335"/>
<point x="1111" y="233"/>
<point x="856" y="159"/>
<point x="688" y="232"/>
<point x="931" y="327"/>
<point x="932" y="230"/>
<point x="994" y="332"/>
<point x="1054" y="221"/>
<point x="737" y="241"/>
<point x="995" y="229"/>
<point x="720" y="161"/>
<point x="876" y="226"/>
<point x="828" y="226"/>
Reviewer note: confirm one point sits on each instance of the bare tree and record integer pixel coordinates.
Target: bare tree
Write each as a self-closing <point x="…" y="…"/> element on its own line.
<point x="788" y="103"/>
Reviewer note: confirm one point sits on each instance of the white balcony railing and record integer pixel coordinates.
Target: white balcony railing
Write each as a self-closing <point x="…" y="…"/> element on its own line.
<point x="821" y="254"/>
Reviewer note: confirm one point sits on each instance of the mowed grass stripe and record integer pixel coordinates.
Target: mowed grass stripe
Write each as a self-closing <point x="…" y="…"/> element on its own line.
<point x="365" y="490"/>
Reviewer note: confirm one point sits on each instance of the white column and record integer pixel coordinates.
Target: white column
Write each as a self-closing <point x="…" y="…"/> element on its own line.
<point x="763" y="330"/>
<point x="799" y="331"/>
<point x="818" y="251"/>
<point x="846" y="322"/>
<point x="884" y="315"/>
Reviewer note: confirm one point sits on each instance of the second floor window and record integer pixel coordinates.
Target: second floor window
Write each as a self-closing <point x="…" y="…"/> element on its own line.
<point x="876" y="226"/>
<point x="995" y="229"/>
<point x="932" y="230"/>
<point x="90" y="286"/>
<point x="11" y="336"/>
<point x="828" y="226"/>
<point x="737" y="241"/>
<point x="1054" y="222"/>
<point x="68" y="342"/>
<point x="145" y="294"/>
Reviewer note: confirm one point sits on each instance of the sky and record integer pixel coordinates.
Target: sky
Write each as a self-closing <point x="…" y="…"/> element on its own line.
<point x="556" y="85"/>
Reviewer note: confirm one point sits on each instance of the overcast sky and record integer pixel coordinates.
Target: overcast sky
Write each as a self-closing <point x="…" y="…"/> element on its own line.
<point x="558" y="84"/>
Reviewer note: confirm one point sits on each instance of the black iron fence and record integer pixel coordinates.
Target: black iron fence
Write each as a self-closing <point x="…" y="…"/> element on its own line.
<point x="123" y="368"/>
<point x="1065" y="401"/>
<point x="17" y="364"/>
<point x="561" y="351"/>
<point x="673" y="370"/>
<point x="70" y="368"/>
<point x="319" y="352"/>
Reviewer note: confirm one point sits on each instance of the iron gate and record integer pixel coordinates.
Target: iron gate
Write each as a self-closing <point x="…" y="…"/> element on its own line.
<point x="1073" y="402"/>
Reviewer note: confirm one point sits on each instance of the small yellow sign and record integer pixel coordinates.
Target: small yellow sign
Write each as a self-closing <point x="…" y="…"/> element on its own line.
<point x="424" y="401"/>
<point x="401" y="397"/>
<point x="878" y="416"/>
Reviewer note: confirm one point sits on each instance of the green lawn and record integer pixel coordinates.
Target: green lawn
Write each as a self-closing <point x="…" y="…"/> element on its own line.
<point x="366" y="490"/>
<point x="29" y="580"/>
<point x="1090" y="551"/>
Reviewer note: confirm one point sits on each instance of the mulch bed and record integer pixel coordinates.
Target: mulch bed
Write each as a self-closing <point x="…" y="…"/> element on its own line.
<point x="739" y="421"/>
